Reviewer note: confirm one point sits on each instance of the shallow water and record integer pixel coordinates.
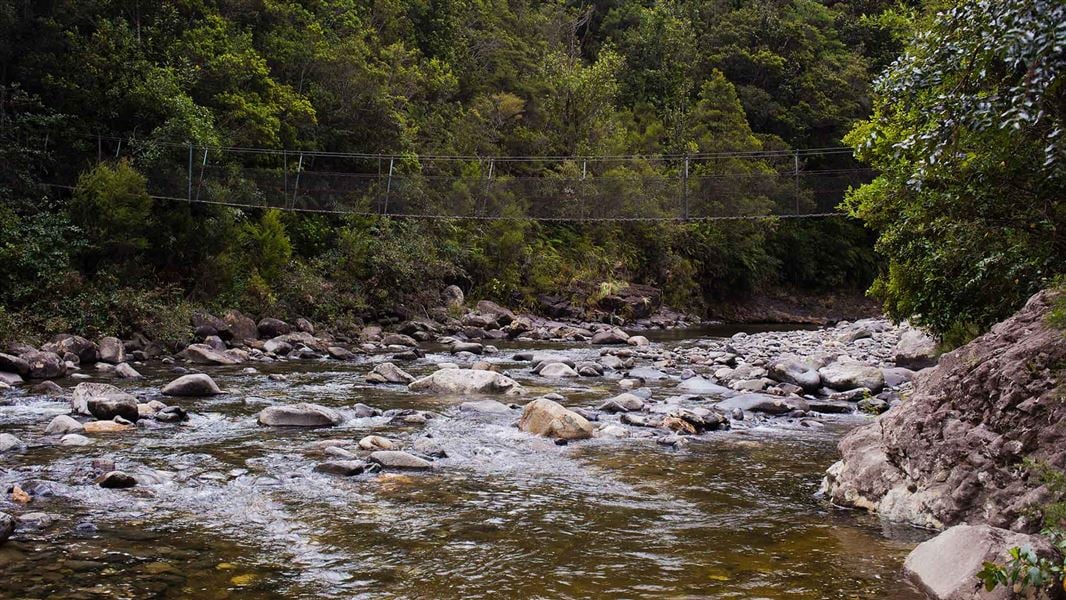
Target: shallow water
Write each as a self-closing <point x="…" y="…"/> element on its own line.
<point x="228" y="509"/>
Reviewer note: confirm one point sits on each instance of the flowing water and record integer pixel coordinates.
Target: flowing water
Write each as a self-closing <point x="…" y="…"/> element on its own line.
<point x="229" y="509"/>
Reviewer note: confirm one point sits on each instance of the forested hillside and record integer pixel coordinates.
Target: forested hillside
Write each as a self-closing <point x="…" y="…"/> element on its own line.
<point x="132" y="79"/>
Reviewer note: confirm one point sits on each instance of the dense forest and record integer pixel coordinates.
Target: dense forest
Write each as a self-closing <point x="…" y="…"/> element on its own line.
<point x="491" y="78"/>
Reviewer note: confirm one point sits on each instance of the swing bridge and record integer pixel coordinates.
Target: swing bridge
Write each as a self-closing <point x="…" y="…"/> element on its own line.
<point x="803" y="183"/>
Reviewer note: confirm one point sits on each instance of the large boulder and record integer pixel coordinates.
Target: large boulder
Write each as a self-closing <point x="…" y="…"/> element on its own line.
<point x="272" y="328"/>
<point x="387" y="372"/>
<point x="915" y="350"/>
<point x="453" y="296"/>
<point x="240" y="325"/>
<point x="797" y="373"/>
<point x="550" y="419"/>
<point x="14" y="364"/>
<point x="111" y="350"/>
<point x="499" y="313"/>
<point x="851" y="375"/>
<point x="610" y="336"/>
<point x="44" y="365"/>
<point x="952" y="451"/>
<point x="194" y="384"/>
<point x="303" y="414"/>
<point x="205" y="324"/>
<point x="946" y="567"/>
<point x="204" y="354"/>
<point x="84" y="393"/>
<point x="86" y="351"/>
<point x="467" y="381"/>
<point x="107" y="407"/>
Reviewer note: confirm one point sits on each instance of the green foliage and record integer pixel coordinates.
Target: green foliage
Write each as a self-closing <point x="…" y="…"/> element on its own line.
<point x="480" y="77"/>
<point x="967" y="135"/>
<point x="112" y="209"/>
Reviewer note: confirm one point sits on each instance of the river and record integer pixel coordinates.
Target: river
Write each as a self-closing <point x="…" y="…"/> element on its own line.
<point x="229" y="509"/>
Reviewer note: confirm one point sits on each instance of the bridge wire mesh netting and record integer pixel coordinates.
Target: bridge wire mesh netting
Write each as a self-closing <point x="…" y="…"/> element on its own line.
<point x="727" y="185"/>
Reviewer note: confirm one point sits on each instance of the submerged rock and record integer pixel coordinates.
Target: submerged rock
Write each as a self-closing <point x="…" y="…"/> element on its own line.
<point x="63" y="424"/>
<point x="467" y="381"/>
<point x="550" y="419"/>
<point x="951" y="452"/>
<point x="344" y="468"/>
<point x="116" y="480"/>
<point x="195" y="384"/>
<point x="299" y="415"/>
<point x="397" y="459"/>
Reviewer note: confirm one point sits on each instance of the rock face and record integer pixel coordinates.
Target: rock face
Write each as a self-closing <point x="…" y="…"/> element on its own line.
<point x="951" y="452"/>
<point x="551" y="419"/>
<point x="946" y="567"/>
<point x="195" y="384"/>
<point x="299" y="415"/>
<point x="467" y="381"/>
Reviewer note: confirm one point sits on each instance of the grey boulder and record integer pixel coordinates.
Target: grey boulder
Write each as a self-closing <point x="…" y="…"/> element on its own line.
<point x="303" y="414"/>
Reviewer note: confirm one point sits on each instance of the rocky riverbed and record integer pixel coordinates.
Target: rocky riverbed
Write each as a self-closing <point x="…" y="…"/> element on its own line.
<point x="429" y="462"/>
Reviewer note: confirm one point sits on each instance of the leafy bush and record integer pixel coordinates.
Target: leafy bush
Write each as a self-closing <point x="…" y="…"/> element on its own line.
<point x="112" y="209"/>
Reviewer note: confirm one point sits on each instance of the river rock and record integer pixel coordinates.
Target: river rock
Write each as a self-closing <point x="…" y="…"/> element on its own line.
<point x="453" y="296"/>
<point x="467" y="381"/>
<point x="47" y="388"/>
<point x="550" y="419"/>
<point x="472" y="347"/>
<point x="270" y="328"/>
<point x="915" y="350"/>
<point x="951" y="451"/>
<point x="796" y="373"/>
<point x="10" y="379"/>
<point x="62" y="424"/>
<point x="850" y="375"/>
<point x="399" y="339"/>
<point x="377" y="442"/>
<point x="502" y="315"/>
<point x="116" y="480"/>
<point x="241" y="326"/>
<point x="622" y="403"/>
<point x="204" y="354"/>
<point x="762" y="403"/>
<point x="557" y="371"/>
<point x="340" y="353"/>
<point x="9" y="442"/>
<point x="86" y="351"/>
<point x="398" y="459"/>
<point x="14" y="364"/>
<point x="7" y="526"/>
<point x="638" y="340"/>
<point x="125" y="371"/>
<point x="106" y="427"/>
<point x="299" y="415"/>
<point x="44" y="365"/>
<point x="109" y="406"/>
<point x="486" y="406"/>
<point x="84" y="392"/>
<point x="111" y="350"/>
<point x="387" y="372"/>
<point x="946" y="567"/>
<point x="344" y="468"/>
<point x="610" y="336"/>
<point x="194" y="384"/>
<point x="74" y="439"/>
